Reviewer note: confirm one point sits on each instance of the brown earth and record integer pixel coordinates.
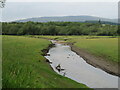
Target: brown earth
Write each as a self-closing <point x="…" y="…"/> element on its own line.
<point x="98" y="62"/>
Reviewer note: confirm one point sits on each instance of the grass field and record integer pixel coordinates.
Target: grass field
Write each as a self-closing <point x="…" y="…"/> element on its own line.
<point x="103" y="46"/>
<point x="25" y="67"/>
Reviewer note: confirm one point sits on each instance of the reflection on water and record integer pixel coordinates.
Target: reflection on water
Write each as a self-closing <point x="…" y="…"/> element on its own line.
<point x="77" y="69"/>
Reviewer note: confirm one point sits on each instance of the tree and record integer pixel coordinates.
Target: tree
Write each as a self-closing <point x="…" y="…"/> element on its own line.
<point x="2" y="3"/>
<point x="58" y="28"/>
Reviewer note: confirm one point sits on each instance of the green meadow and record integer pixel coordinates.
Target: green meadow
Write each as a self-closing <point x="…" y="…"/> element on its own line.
<point x="103" y="46"/>
<point x="25" y="67"/>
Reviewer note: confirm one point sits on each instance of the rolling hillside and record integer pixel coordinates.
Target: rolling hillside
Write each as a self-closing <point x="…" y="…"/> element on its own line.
<point x="68" y="19"/>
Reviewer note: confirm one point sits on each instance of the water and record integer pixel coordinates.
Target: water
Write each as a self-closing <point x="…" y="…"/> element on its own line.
<point x="77" y="69"/>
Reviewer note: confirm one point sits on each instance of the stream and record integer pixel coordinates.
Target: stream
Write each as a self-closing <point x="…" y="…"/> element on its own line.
<point x="76" y="68"/>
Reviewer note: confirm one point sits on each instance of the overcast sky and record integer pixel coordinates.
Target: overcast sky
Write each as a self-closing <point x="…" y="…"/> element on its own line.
<point x="19" y="10"/>
<point x="63" y="0"/>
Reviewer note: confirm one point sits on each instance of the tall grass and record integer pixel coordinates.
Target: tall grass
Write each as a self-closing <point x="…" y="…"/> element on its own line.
<point x="25" y="67"/>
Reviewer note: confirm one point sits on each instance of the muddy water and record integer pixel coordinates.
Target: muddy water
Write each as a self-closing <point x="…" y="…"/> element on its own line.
<point x="77" y="69"/>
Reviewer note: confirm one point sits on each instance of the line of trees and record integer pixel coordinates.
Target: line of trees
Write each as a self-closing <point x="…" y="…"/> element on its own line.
<point x="58" y="28"/>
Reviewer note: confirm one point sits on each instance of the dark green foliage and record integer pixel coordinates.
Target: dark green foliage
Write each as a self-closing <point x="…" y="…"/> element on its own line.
<point x="59" y="28"/>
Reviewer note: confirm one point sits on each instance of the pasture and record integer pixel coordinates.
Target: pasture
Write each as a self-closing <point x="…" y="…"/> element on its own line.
<point x="25" y="67"/>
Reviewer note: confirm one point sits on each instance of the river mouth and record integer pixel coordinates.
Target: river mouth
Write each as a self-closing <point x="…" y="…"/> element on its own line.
<point x="75" y="68"/>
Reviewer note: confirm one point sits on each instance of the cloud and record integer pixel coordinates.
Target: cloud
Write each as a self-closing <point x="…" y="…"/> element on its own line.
<point x="63" y="0"/>
<point x="18" y="10"/>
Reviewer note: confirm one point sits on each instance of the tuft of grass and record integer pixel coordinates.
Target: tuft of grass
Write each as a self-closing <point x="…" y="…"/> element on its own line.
<point x="25" y="67"/>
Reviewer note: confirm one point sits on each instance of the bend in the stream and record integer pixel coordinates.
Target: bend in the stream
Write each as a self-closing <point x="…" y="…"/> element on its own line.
<point x="75" y="67"/>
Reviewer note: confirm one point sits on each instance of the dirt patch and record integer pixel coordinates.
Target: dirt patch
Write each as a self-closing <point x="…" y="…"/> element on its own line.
<point x="45" y="51"/>
<point x="98" y="62"/>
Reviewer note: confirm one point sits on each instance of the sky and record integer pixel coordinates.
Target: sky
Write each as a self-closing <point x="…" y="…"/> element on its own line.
<point x="20" y="9"/>
<point x="62" y="0"/>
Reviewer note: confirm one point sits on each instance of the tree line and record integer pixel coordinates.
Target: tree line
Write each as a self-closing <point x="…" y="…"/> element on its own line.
<point x="58" y="28"/>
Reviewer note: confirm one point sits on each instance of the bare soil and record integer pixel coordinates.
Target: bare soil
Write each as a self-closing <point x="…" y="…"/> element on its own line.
<point x="98" y="62"/>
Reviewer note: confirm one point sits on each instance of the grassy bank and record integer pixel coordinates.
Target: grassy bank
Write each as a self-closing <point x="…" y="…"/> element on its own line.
<point x="25" y="67"/>
<point x="103" y="46"/>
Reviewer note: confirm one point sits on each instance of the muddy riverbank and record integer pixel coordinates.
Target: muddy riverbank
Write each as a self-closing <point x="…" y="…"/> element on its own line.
<point x="96" y="61"/>
<point x="45" y="51"/>
<point x="75" y="67"/>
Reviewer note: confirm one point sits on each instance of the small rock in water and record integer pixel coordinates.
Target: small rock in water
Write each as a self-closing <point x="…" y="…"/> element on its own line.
<point x="64" y="74"/>
<point x="59" y="68"/>
<point x="48" y="54"/>
<point x="48" y="61"/>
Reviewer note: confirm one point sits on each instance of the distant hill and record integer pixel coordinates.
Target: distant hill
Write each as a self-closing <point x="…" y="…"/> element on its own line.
<point x="68" y="19"/>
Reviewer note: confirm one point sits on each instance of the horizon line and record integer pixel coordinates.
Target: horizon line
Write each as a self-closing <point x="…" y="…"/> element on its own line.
<point x="56" y="16"/>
